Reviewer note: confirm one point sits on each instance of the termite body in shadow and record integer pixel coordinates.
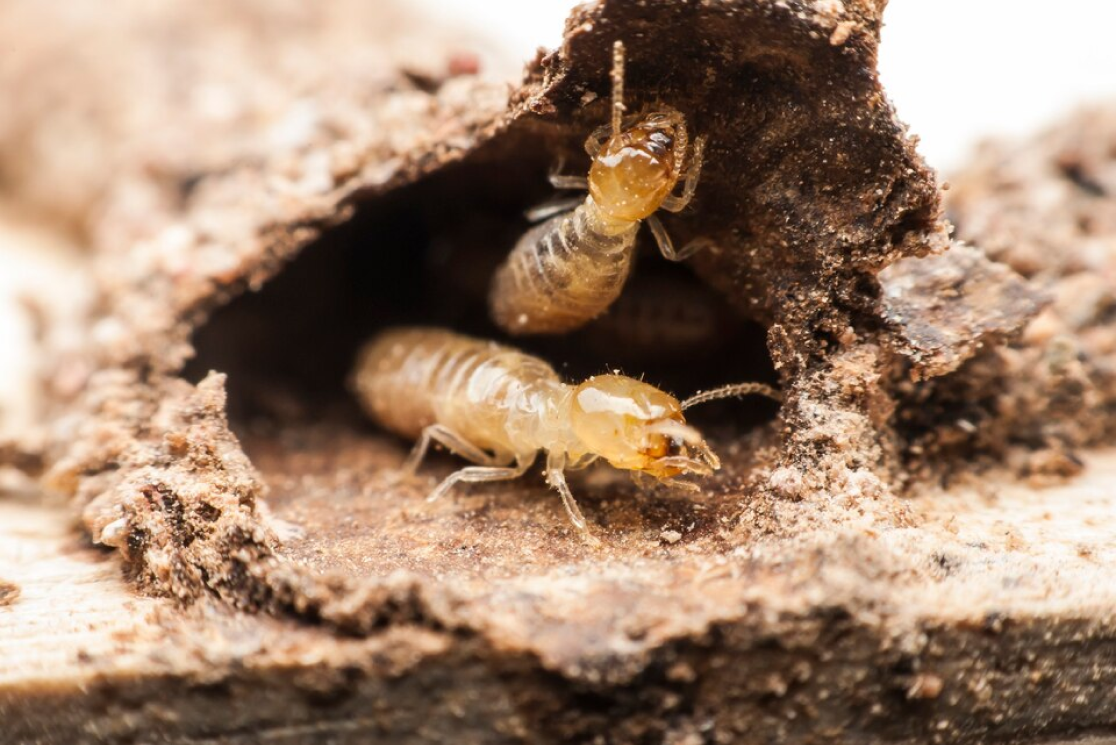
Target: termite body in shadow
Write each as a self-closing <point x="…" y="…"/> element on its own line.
<point x="499" y="408"/>
<point x="664" y="315"/>
<point x="570" y="268"/>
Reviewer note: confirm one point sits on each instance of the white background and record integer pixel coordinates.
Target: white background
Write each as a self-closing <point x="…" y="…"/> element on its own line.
<point x="957" y="70"/>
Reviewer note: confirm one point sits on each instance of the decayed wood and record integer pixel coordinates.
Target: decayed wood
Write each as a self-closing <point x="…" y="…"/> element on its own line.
<point x="1045" y="206"/>
<point x="945" y="309"/>
<point x="988" y="619"/>
<point x="802" y="260"/>
<point x="122" y="108"/>
<point x="85" y="659"/>
<point x="798" y="597"/>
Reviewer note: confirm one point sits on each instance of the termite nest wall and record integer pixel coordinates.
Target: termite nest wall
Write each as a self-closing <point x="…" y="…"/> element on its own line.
<point x="801" y="203"/>
<point x="273" y="271"/>
<point x="1046" y="208"/>
<point x="799" y="595"/>
<point x="425" y="255"/>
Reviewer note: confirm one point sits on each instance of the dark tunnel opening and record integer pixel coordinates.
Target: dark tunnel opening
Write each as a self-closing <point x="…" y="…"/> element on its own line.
<point x="423" y="255"/>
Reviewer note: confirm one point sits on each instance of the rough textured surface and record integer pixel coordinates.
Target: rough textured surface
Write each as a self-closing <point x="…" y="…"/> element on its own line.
<point x="797" y="597"/>
<point x="805" y="197"/>
<point x="1044" y="205"/>
<point x="945" y="309"/>
<point x="122" y="108"/>
<point x="1047" y="208"/>
<point x="44" y="293"/>
<point x="182" y="503"/>
<point x="991" y="621"/>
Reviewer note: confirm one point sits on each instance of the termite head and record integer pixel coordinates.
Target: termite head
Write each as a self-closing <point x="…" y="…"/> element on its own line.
<point x="637" y="427"/>
<point x="638" y="167"/>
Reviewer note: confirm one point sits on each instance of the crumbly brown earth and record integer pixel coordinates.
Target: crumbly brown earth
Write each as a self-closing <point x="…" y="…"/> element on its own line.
<point x="1047" y="208"/>
<point x="797" y="597"/>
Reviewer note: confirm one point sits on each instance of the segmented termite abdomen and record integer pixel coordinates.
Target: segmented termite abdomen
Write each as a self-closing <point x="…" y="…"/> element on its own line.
<point x="410" y="378"/>
<point x="398" y="373"/>
<point x="562" y="274"/>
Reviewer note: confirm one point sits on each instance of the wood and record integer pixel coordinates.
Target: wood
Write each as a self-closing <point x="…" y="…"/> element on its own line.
<point x="818" y="589"/>
<point x="989" y="618"/>
<point x="83" y="658"/>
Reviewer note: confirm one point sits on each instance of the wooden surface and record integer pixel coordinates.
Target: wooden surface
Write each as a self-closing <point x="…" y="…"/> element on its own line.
<point x="84" y="659"/>
<point x="822" y="609"/>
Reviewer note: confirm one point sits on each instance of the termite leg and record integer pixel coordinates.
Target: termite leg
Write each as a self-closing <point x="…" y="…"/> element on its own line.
<point x="662" y="237"/>
<point x="562" y="181"/>
<point x="479" y="474"/>
<point x="596" y="140"/>
<point x="678" y="203"/>
<point x="555" y="465"/>
<point x="666" y="245"/>
<point x="453" y="442"/>
<point x="583" y="462"/>
<point x="681" y="485"/>
<point x="551" y="208"/>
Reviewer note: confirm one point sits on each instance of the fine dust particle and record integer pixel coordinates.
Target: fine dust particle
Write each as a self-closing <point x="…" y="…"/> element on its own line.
<point x="670" y="536"/>
<point x="841" y="33"/>
<point x="9" y="593"/>
<point x="925" y="686"/>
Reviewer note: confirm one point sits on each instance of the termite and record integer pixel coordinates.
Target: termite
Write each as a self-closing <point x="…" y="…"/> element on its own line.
<point x="567" y="270"/>
<point x="499" y="408"/>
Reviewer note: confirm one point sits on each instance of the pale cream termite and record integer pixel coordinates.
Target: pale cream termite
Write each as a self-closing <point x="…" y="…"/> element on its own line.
<point x="569" y="269"/>
<point x="498" y="408"/>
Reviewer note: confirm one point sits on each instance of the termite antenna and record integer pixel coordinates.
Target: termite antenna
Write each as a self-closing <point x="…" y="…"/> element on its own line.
<point x="617" y="86"/>
<point x="732" y="391"/>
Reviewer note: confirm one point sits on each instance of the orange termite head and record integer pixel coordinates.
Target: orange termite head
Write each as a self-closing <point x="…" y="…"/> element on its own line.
<point x="637" y="427"/>
<point x="638" y="167"/>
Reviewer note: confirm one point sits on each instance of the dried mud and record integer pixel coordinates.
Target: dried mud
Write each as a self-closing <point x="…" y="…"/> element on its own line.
<point x="1045" y="207"/>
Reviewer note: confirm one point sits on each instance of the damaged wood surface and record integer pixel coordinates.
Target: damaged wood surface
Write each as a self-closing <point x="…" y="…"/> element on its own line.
<point x="988" y="619"/>
<point x="1045" y="206"/>
<point x="947" y="308"/>
<point x="802" y="261"/>
<point x="85" y="659"/>
<point x="811" y="183"/>
<point x="123" y="108"/>
<point x="319" y="596"/>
